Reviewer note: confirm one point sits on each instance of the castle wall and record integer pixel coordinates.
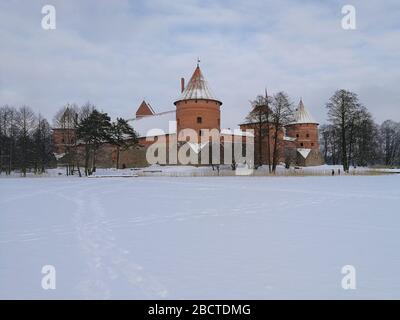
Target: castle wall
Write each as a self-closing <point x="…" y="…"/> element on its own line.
<point x="63" y="138"/>
<point x="264" y="142"/>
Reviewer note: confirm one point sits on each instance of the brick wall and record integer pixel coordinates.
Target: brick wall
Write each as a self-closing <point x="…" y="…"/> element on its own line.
<point x="198" y="114"/>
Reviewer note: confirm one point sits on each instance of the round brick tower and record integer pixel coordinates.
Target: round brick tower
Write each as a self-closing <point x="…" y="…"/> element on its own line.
<point x="304" y="129"/>
<point x="197" y="108"/>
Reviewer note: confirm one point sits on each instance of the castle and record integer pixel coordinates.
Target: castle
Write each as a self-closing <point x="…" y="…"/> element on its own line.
<point x="198" y="110"/>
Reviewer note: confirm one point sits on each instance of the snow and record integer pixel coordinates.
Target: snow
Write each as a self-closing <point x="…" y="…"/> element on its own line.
<point x="204" y="237"/>
<point x="155" y="125"/>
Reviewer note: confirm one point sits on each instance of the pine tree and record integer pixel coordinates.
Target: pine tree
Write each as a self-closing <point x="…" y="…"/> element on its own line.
<point x="122" y="135"/>
<point x="94" y="131"/>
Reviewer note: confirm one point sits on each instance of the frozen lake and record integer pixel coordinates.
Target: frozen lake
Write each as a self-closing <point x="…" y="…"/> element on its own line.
<point x="215" y="237"/>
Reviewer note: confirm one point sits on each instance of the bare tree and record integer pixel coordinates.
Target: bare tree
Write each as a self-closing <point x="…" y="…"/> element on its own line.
<point x="342" y="111"/>
<point x="260" y="116"/>
<point x="42" y="145"/>
<point x="25" y="124"/>
<point x="282" y="115"/>
<point x="8" y="132"/>
<point x="390" y="135"/>
<point x="330" y="143"/>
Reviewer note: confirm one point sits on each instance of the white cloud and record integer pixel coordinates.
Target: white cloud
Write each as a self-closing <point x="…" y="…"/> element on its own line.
<point x="117" y="53"/>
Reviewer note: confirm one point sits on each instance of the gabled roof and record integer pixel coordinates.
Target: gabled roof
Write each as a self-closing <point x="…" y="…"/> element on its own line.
<point x="197" y="88"/>
<point x="144" y="109"/>
<point x="301" y="115"/>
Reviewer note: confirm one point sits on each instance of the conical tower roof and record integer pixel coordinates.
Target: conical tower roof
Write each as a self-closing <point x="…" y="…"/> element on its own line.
<point x="301" y="115"/>
<point x="197" y="88"/>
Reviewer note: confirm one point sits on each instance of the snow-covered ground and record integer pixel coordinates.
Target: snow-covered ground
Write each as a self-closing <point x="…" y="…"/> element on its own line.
<point x="204" y="237"/>
<point x="200" y="171"/>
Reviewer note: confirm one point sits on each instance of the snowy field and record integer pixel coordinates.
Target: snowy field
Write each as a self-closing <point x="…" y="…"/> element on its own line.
<point x="205" y="237"/>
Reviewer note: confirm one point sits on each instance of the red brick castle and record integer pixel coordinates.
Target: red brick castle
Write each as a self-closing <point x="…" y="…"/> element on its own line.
<point x="198" y="109"/>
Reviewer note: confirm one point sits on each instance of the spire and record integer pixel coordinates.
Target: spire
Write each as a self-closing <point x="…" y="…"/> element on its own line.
<point x="197" y="88"/>
<point x="301" y="114"/>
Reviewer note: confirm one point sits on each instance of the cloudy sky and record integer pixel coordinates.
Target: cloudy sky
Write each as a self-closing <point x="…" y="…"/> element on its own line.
<point x="116" y="53"/>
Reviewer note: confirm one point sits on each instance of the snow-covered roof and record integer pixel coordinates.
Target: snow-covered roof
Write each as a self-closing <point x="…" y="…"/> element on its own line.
<point x="155" y="125"/>
<point x="301" y="115"/>
<point x="197" y="88"/>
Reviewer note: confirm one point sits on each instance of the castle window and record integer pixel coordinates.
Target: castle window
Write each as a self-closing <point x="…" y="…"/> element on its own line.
<point x="312" y="144"/>
<point x="307" y="135"/>
<point x="302" y="144"/>
<point x="297" y="135"/>
<point x="199" y="120"/>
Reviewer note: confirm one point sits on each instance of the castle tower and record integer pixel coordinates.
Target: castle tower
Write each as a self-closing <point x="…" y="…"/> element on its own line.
<point x="305" y="131"/>
<point x="197" y="108"/>
<point x="304" y="128"/>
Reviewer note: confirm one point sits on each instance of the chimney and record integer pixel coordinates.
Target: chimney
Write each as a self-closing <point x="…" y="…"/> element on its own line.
<point x="182" y="84"/>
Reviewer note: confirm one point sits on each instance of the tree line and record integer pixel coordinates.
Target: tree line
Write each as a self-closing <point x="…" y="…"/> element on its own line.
<point x="26" y="140"/>
<point x="353" y="138"/>
<point x="350" y="138"/>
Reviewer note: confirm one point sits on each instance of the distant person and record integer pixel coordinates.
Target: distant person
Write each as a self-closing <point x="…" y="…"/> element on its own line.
<point x="338" y="171"/>
<point x="333" y="172"/>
